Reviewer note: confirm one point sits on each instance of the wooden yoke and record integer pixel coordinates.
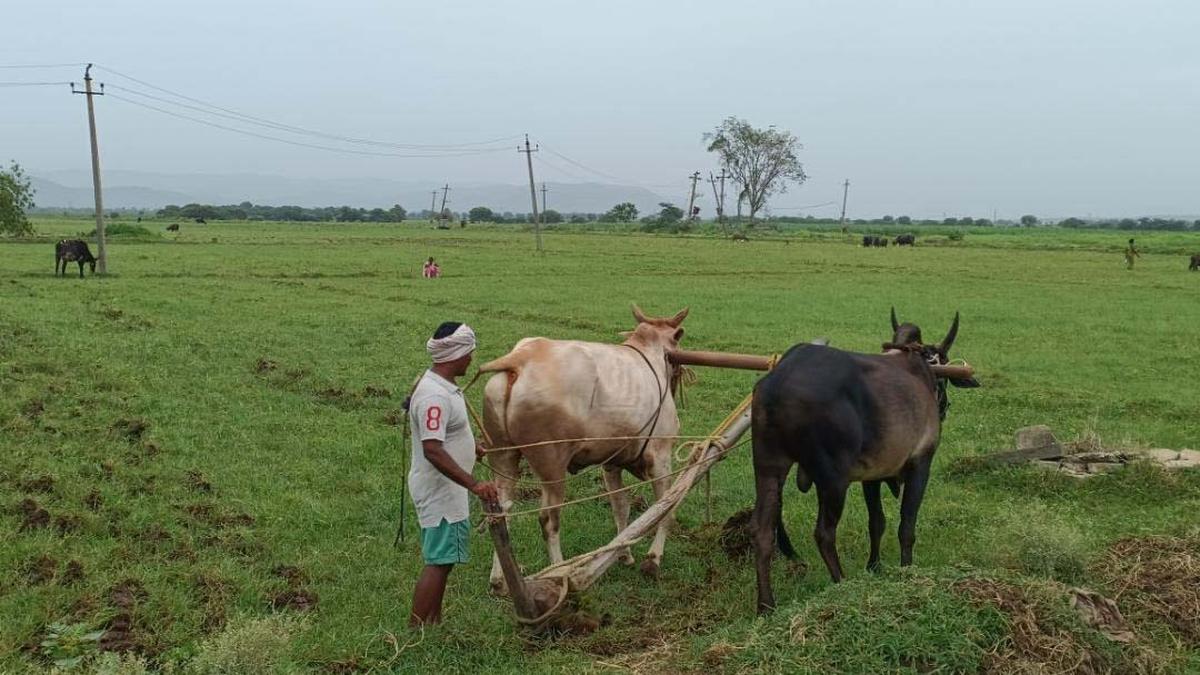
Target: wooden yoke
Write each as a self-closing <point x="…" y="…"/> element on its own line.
<point x="753" y="362"/>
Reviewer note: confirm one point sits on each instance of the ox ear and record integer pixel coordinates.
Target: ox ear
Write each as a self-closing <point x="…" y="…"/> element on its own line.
<point x="678" y="318"/>
<point x="895" y="323"/>
<point x="625" y="334"/>
<point x="638" y="314"/>
<point x="944" y="348"/>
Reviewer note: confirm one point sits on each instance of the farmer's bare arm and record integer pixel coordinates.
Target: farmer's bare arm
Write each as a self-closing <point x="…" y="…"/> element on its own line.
<point x="436" y="453"/>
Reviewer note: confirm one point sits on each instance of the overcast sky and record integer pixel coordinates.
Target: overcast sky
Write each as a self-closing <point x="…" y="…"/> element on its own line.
<point x="1059" y="108"/>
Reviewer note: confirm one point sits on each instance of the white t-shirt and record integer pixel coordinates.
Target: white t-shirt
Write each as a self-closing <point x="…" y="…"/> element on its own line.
<point x="438" y="411"/>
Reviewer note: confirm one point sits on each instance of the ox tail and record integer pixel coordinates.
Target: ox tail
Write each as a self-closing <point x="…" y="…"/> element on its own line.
<point x="781" y="536"/>
<point x="510" y="364"/>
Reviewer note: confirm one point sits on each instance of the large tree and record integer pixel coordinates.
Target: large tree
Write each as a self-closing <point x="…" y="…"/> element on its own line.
<point x="16" y="195"/>
<point x="481" y="214"/>
<point x="762" y="161"/>
<point x="624" y="212"/>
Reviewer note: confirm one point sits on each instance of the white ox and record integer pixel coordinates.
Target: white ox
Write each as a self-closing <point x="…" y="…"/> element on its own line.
<point x="552" y="390"/>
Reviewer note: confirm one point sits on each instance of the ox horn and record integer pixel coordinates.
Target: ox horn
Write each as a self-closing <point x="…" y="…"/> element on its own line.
<point x="678" y="318"/>
<point x="638" y="314"/>
<point x="945" y="346"/>
<point x="895" y="323"/>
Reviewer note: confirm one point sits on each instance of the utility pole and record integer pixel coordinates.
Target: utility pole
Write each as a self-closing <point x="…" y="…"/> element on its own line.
<point x="102" y="260"/>
<point x="692" y="198"/>
<point x="845" y="191"/>
<point x="719" y="197"/>
<point x="537" y="222"/>
<point x="442" y="211"/>
<point x="543" y="200"/>
<point x="432" y="205"/>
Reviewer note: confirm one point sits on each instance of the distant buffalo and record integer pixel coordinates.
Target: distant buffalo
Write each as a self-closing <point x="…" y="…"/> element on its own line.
<point x="906" y="240"/>
<point x="173" y="227"/>
<point x="872" y="240"/>
<point x="1195" y="265"/>
<point x="201" y="221"/>
<point x="73" y="250"/>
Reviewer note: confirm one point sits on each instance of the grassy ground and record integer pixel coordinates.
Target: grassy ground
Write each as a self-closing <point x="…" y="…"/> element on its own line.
<point x="209" y="432"/>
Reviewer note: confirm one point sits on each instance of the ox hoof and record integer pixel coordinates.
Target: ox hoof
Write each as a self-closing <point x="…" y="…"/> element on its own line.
<point x="499" y="588"/>
<point x="650" y="568"/>
<point x="626" y="559"/>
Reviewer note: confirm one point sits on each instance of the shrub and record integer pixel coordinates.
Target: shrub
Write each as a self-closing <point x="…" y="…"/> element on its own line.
<point x="248" y="645"/>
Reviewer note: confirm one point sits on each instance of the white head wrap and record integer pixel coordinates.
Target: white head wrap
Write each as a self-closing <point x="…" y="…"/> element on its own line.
<point x="454" y="346"/>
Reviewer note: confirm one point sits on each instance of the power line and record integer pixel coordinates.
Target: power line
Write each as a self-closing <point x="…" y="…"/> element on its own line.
<point x="301" y="130"/>
<point x="601" y="173"/>
<point x="32" y="84"/>
<point x="299" y="143"/>
<point x="46" y="65"/>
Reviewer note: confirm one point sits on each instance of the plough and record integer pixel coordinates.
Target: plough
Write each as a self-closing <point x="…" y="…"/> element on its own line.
<point x="539" y="598"/>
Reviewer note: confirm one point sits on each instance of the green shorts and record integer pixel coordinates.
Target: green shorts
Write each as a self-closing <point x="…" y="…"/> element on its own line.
<point x="445" y="543"/>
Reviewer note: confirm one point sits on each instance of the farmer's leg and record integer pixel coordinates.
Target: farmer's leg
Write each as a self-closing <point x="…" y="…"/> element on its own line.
<point x="428" y="594"/>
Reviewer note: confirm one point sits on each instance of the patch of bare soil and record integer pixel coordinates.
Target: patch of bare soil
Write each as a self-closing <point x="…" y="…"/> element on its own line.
<point x="294" y="576"/>
<point x="1158" y="577"/>
<point x="264" y="365"/>
<point x="66" y="523"/>
<point x="1035" y="645"/>
<point x="33" y="409"/>
<point x="394" y="418"/>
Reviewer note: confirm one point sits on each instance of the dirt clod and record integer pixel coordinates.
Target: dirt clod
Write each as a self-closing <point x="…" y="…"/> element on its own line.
<point x="35" y="516"/>
<point x="73" y="574"/>
<point x="33" y="409"/>
<point x="93" y="500"/>
<point x="293" y="575"/>
<point x="67" y="522"/>
<point x="41" y="570"/>
<point x="132" y="429"/>
<point x="394" y="418"/>
<point x="737" y="538"/>
<point x="371" y="391"/>
<point x="198" y="482"/>
<point x="43" y="484"/>
<point x="299" y="599"/>
<point x="265" y="365"/>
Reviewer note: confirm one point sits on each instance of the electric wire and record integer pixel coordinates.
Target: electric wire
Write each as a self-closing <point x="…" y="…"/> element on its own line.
<point x="301" y="130"/>
<point x="298" y="143"/>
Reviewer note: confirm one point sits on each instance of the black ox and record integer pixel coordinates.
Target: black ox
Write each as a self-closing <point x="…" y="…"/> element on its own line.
<point x="846" y="417"/>
<point x="906" y="240"/>
<point x="72" y="250"/>
<point x="1195" y="263"/>
<point x="870" y="240"/>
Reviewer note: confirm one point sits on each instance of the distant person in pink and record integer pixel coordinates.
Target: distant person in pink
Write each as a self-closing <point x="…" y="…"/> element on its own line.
<point x="431" y="269"/>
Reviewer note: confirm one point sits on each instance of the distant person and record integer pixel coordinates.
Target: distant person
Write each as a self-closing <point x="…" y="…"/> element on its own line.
<point x="431" y="269"/>
<point x="1131" y="252"/>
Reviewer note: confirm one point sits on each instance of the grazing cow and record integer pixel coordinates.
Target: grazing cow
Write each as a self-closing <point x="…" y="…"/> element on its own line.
<point x="551" y="390"/>
<point x="846" y="417"/>
<point x="201" y="221"/>
<point x="906" y="240"/>
<point x="1195" y="264"/>
<point x="872" y="240"/>
<point x="173" y="227"/>
<point x="73" y="250"/>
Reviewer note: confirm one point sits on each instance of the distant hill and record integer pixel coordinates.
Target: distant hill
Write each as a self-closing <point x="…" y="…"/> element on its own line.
<point x="137" y="189"/>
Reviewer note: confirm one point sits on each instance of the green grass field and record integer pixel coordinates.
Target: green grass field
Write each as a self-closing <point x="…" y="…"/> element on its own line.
<point x="223" y="404"/>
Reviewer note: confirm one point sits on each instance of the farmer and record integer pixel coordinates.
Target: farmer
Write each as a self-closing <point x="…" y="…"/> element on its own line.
<point x="443" y="454"/>
<point x="1130" y="253"/>
<point x="431" y="269"/>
